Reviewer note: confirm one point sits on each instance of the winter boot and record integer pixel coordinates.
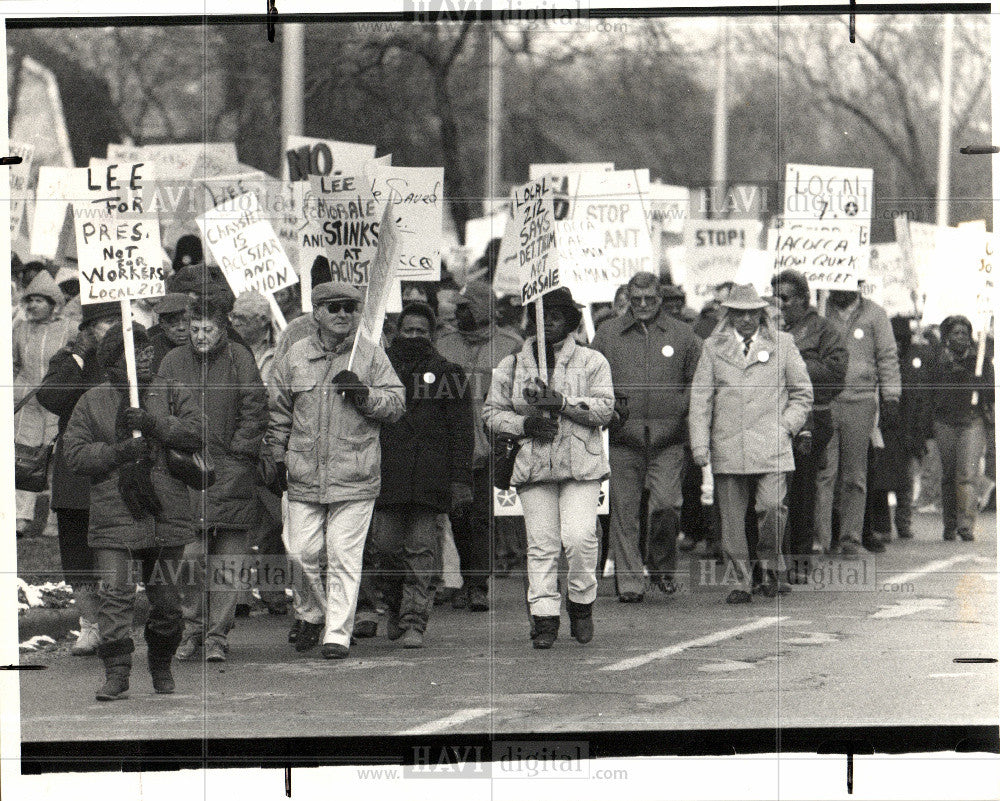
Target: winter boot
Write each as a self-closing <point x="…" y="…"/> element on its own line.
<point x="546" y="631"/>
<point x="117" y="658"/>
<point x="86" y="644"/>
<point x="581" y="623"/>
<point x="161" y="651"/>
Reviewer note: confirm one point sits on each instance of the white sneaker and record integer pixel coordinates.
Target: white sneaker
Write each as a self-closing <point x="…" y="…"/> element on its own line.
<point x="86" y="644"/>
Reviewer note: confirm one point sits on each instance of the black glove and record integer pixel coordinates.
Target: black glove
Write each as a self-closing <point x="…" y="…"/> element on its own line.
<point x="803" y="443"/>
<point x="351" y="387"/>
<point x="83" y="346"/>
<point x="131" y="450"/>
<point x="272" y="473"/>
<point x="620" y="416"/>
<point x="890" y="416"/>
<point x="543" y="397"/>
<point x="136" y="419"/>
<point x="136" y="488"/>
<point x="543" y="429"/>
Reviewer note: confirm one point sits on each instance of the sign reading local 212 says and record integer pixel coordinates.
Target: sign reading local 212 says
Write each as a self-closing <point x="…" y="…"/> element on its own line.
<point x="831" y="255"/>
<point x="416" y="197"/>
<point x="117" y="240"/>
<point x="713" y="251"/>
<point x="19" y="174"/>
<point x="306" y="156"/>
<point x="537" y="259"/>
<point x="246" y="247"/>
<point x="827" y="193"/>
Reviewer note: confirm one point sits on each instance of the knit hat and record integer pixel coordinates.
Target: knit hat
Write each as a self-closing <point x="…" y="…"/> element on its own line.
<point x="112" y="347"/>
<point x="956" y="319"/>
<point x="422" y="309"/>
<point x="188" y="251"/>
<point x="45" y="286"/>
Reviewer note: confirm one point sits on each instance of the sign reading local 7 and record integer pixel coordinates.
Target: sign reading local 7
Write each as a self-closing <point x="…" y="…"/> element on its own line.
<point x="538" y="265"/>
<point x="117" y="239"/>
<point x="246" y="246"/>
<point x="827" y="193"/>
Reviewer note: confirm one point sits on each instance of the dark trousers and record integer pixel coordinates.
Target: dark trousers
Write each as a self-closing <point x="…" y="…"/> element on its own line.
<point x="120" y="569"/>
<point x="801" y="532"/>
<point x="75" y="556"/>
<point x="406" y="544"/>
<point x="471" y="529"/>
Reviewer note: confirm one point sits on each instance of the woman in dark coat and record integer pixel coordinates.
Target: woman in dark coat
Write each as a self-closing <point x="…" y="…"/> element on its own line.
<point x="232" y="398"/>
<point x="139" y="513"/>
<point x="426" y="471"/>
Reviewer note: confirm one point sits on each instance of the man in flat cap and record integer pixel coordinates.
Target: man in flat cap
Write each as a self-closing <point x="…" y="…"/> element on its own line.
<point x="173" y="311"/>
<point x="324" y="440"/>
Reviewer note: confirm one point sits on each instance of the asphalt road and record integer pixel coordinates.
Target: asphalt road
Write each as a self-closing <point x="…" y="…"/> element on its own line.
<point x="878" y="655"/>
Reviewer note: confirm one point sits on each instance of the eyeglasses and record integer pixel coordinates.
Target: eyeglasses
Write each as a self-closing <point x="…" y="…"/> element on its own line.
<point x="643" y="300"/>
<point x="337" y="306"/>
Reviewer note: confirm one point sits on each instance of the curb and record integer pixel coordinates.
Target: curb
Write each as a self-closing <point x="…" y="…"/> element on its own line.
<point x="58" y="623"/>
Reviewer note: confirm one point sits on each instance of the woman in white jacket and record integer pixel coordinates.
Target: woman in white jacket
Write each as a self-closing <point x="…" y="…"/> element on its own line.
<point x="561" y="463"/>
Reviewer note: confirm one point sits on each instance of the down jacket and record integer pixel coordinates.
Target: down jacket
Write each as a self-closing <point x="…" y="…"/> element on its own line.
<point x="746" y="409"/>
<point x="233" y="402"/>
<point x="583" y="376"/>
<point x="330" y="448"/>
<point x="88" y="443"/>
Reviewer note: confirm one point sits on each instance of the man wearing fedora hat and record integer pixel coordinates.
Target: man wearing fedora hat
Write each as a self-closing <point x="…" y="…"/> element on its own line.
<point x="751" y="395"/>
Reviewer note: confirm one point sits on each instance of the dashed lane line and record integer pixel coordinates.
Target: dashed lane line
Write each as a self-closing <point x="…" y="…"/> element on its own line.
<point x="932" y="567"/>
<point x="445" y="723"/>
<point x="708" y="639"/>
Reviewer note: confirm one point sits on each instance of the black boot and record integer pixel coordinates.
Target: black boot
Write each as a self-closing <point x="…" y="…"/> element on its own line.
<point x="546" y="631"/>
<point x="161" y="650"/>
<point x="581" y="623"/>
<point x="117" y="658"/>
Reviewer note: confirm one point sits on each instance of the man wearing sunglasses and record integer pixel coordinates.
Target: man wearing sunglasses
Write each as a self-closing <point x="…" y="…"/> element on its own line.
<point x="324" y="441"/>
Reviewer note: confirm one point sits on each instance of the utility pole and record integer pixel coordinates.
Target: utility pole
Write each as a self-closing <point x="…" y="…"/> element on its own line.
<point x="494" y="121"/>
<point x="293" y="56"/>
<point x="717" y="191"/>
<point x="944" y="131"/>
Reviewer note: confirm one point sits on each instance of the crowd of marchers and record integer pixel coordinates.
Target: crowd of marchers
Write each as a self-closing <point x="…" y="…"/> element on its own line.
<point x="758" y="432"/>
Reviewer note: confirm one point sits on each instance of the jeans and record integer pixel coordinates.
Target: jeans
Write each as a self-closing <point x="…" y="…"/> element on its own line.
<point x="560" y="516"/>
<point x="406" y="543"/>
<point x="961" y="449"/>
<point x="341" y="528"/>
<point x="471" y="529"/>
<point x="120" y="570"/>
<point x="209" y="599"/>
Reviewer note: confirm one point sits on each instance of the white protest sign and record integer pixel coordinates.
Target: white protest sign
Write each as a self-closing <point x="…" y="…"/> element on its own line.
<point x="507" y="276"/>
<point x="536" y="171"/>
<point x="824" y="193"/>
<point x="416" y="197"/>
<point x="117" y="239"/>
<point x="246" y="247"/>
<point x="961" y="278"/>
<point x="57" y="186"/>
<point x="667" y="208"/>
<point x="480" y="230"/>
<point x="179" y="162"/>
<point x="19" y="175"/>
<point x="382" y="280"/>
<point x="756" y="267"/>
<point x="713" y="251"/>
<point x="832" y="255"/>
<point x="887" y="282"/>
<point x="537" y="262"/>
<point x="307" y="156"/>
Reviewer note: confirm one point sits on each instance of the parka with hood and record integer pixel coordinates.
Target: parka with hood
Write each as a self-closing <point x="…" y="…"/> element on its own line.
<point x="746" y="409"/>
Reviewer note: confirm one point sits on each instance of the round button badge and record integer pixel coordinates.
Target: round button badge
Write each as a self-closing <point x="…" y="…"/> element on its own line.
<point x="859" y="334"/>
<point x="763" y="356"/>
<point x="667" y="351"/>
<point x="429" y="378"/>
<point x="917" y="363"/>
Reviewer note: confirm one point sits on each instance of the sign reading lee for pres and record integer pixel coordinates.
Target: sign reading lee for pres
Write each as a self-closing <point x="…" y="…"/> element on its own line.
<point x="533" y="222"/>
<point x="117" y="239"/>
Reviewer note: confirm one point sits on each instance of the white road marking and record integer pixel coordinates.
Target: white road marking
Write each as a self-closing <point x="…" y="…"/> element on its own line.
<point x="908" y="607"/>
<point x="708" y="639"/>
<point x="443" y="724"/>
<point x="949" y="675"/>
<point x="930" y="567"/>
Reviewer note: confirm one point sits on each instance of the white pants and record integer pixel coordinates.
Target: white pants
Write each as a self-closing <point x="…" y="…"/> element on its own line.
<point x="343" y="527"/>
<point x="560" y="515"/>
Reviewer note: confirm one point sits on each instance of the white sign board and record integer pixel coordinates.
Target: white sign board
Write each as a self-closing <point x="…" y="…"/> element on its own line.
<point x="827" y="193"/>
<point x="536" y="171"/>
<point x="416" y="197"/>
<point x="180" y="162"/>
<point x="57" y="186"/>
<point x="117" y="239"/>
<point x="307" y="156"/>
<point x="887" y="282"/>
<point x="713" y="251"/>
<point x="19" y="174"/>
<point x="832" y="255"/>
<point x="246" y="246"/>
<point x="537" y="259"/>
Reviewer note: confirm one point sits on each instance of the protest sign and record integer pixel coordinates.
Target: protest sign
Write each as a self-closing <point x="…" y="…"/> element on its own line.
<point x="832" y="255"/>
<point x="507" y="276"/>
<point x="182" y="161"/>
<point x="57" y="186"/>
<point x="667" y="209"/>
<point x="887" y="282"/>
<point x="957" y="273"/>
<point x="713" y="251"/>
<point x="537" y="262"/>
<point x="827" y="193"/>
<point x="246" y="247"/>
<point x="481" y="230"/>
<point x="382" y="280"/>
<point x="415" y="195"/>
<point x="306" y="156"/>
<point x="19" y="175"/>
<point x="117" y="239"/>
<point x="536" y="171"/>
